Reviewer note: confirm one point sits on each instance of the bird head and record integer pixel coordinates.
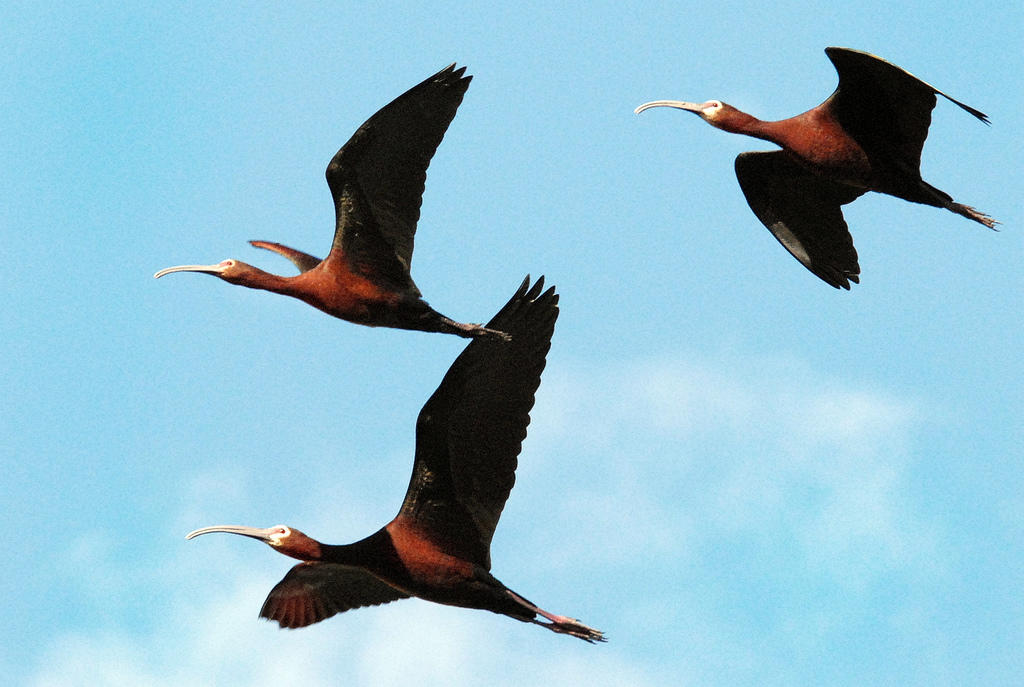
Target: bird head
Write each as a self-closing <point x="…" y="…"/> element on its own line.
<point x="232" y="271"/>
<point x="288" y="541"/>
<point x="714" y="112"/>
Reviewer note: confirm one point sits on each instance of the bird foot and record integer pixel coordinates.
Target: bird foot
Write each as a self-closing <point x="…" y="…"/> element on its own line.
<point x="570" y="626"/>
<point x="561" y="624"/>
<point x="478" y="330"/>
<point x="978" y="216"/>
<point x="436" y="322"/>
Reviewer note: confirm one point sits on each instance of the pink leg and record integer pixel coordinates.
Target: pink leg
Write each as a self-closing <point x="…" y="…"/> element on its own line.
<point x="560" y="623"/>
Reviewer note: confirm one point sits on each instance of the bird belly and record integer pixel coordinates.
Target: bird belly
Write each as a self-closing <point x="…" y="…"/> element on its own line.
<point x="468" y="587"/>
<point x="851" y="171"/>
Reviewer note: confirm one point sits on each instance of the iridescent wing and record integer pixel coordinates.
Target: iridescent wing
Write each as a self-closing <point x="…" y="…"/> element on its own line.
<point x="378" y="176"/>
<point x="470" y="432"/>
<point x="803" y="211"/>
<point x="312" y="592"/>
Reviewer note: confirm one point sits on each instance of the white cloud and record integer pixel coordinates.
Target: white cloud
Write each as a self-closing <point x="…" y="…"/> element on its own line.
<point x="743" y="445"/>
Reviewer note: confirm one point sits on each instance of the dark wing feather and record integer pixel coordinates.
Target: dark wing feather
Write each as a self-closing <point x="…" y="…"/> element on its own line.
<point x="312" y="592"/>
<point x="377" y="178"/>
<point x="304" y="261"/>
<point x="470" y="432"/>
<point x="803" y="211"/>
<point x="886" y="109"/>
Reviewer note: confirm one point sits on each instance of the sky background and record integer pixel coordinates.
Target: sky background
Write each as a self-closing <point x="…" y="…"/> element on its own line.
<point x="740" y="474"/>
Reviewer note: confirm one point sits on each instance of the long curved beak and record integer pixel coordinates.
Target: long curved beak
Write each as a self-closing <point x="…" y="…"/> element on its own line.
<point x="678" y="104"/>
<point x="209" y="269"/>
<point x="261" y="533"/>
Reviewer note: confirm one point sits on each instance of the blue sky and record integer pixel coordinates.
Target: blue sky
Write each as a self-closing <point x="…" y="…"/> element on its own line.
<point x="738" y="473"/>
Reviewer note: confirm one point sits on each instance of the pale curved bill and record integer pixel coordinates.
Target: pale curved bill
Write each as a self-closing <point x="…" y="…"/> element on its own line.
<point x="256" y="532"/>
<point x="188" y="268"/>
<point x="680" y="104"/>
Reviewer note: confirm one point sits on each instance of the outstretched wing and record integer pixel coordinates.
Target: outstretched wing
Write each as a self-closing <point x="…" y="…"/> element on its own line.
<point x="377" y="178"/>
<point x="803" y="211"/>
<point x="886" y="109"/>
<point x="470" y="432"/>
<point x="312" y="592"/>
<point x="304" y="261"/>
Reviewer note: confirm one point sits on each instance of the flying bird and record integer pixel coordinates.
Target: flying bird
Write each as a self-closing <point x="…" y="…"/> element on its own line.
<point x="867" y="136"/>
<point x="468" y="438"/>
<point x="377" y="181"/>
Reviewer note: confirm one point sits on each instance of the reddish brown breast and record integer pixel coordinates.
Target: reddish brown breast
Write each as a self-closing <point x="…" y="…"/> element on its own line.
<point x="343" y="293"/>
<point x="427" y="565"/>
<point x="816" y="139"/>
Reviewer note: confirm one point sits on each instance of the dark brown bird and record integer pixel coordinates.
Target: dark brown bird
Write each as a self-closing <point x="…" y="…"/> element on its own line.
<point x="468" y="437"/>
<point x="867" y="136"/>
<point x="377" y="181"/>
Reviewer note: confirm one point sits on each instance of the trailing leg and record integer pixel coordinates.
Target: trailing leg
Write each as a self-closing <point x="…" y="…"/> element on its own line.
<point x="558" y="623"/>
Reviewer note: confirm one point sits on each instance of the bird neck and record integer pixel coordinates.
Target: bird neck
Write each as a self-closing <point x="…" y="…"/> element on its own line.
<point x="255" y="278"/>
<point x="739" y="122"/>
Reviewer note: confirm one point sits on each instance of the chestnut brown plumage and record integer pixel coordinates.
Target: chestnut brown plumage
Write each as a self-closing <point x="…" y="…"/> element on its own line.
<point x="377" y="181"/>
<point x="468" y="438"/>
<point x="867" y="136"/>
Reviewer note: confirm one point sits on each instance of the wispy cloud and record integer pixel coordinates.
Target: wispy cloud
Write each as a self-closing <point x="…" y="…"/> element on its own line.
<point x="732" y="446"/>
<point x="753" y="480"/>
